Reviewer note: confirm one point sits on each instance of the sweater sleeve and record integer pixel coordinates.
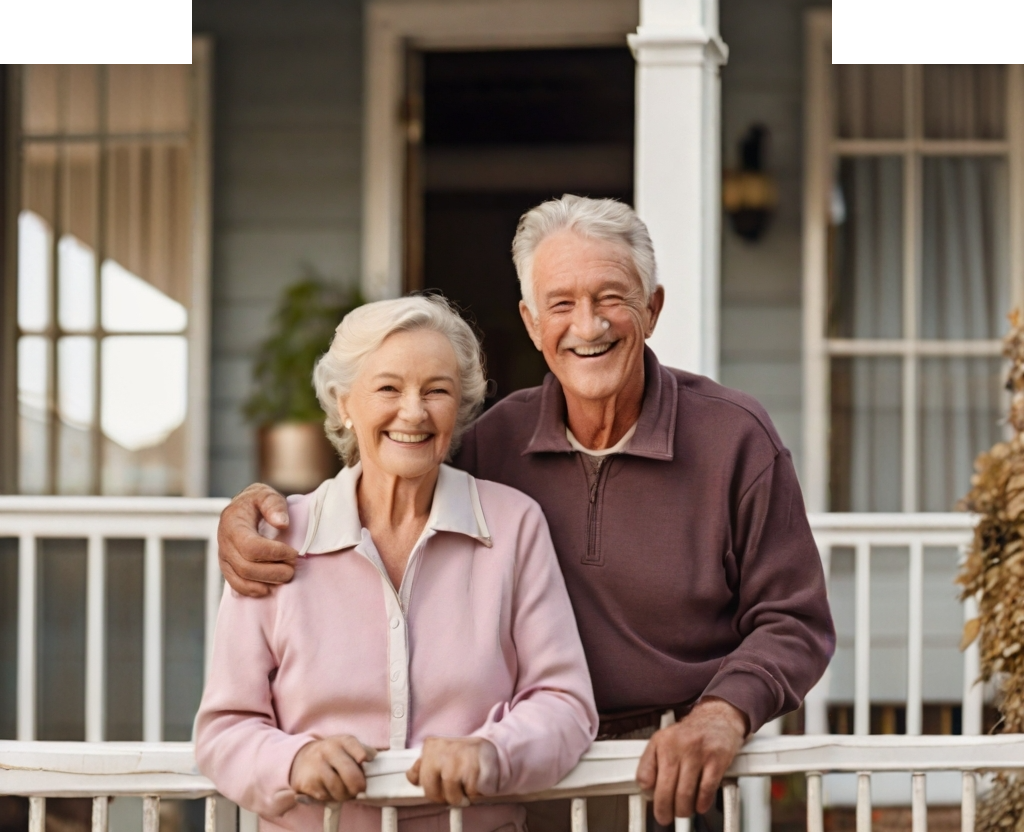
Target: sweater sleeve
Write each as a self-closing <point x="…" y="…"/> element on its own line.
<point x="783" y="613"/>
<point x="552" y="719"/>
<point x="238" y="744"/>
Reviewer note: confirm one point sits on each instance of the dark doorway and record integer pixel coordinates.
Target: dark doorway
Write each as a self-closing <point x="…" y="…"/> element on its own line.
<point x="503" y="131"/>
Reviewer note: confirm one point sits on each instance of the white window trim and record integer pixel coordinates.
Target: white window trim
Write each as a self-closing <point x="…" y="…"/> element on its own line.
<point x="394" y="25"/>
<point x="196" y="462"/>
<point x="820" y="150"/>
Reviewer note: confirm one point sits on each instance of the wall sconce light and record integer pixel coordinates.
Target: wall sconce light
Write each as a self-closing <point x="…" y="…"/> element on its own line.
<point x="749" y="195"/>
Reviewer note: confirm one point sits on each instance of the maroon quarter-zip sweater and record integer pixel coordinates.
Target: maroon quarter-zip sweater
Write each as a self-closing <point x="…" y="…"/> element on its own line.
<point x="691" y="566"/>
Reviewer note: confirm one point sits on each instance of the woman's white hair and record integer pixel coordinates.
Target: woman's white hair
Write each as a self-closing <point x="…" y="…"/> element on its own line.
<point x="364" y="329"/>
<point x="602" y="219"/>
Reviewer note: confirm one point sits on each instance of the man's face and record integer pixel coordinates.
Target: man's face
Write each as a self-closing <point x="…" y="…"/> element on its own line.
<point x="592" y="320"/>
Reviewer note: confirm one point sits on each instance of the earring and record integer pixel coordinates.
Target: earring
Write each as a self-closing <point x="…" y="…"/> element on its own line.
<point x="348" y="424"/>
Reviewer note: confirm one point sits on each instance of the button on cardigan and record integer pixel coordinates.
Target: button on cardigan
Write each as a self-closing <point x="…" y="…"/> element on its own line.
<point x="479" y="640"/>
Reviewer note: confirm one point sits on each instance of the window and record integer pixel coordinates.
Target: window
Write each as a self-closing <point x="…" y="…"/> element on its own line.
<point x="112" y="242"/>
<point x="914" y="203"/>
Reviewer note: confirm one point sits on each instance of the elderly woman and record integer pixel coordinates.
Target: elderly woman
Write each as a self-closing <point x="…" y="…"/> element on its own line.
<point x="428" y="609"/>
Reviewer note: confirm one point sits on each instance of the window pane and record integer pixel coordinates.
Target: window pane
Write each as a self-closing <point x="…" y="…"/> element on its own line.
<point x="965" y="102"/>
<point x="869" y="101"/>
<point x="866" y="439"/>
<point x="866" y="280"/>
<point x="33" y="415"/>
<point x="149" y="98"/>
<point x="149" y="216"/>
<point x="76" y="258"/>
<point x="144" y="397"/>
<point x="965" y="248"/>
<point x="76" y="408"/>
<point x="35" y="251"/>
<point x="961" y="413"/>
<point x="40" y="113"/>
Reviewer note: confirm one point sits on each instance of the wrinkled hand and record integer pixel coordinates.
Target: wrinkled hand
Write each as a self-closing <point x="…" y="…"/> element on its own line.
<point x="249" y="561"/>
<point x="452" y="770"/>
<point x="331" y="769"/>
<point x="684" y="763"/>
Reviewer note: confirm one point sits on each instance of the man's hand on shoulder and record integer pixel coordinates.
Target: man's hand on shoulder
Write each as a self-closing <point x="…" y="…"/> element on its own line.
<point x="684" y="764"/>
<point x="249" y="561"/>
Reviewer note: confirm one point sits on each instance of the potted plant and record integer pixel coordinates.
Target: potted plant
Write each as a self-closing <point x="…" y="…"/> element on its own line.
<point x="294" y="453"/>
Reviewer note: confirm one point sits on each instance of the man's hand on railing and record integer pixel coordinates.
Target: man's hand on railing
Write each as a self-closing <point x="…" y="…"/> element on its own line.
<point x="684" y="764"/>
<point x="452" y="770"/>
<point x="250" y="562"/>
<point x="331" y="769"/>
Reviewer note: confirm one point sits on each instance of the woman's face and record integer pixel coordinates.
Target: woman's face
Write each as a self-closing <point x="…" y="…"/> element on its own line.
<point x="404" y="402"/>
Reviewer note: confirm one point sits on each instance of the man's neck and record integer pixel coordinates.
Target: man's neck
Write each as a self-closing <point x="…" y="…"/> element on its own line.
<point x="600" y="423"/>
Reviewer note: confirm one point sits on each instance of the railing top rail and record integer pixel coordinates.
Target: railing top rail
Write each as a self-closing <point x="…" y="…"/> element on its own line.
<point x="88" y="769"/>
<point x="22" y="504"/>
<point x="954" y="521"/>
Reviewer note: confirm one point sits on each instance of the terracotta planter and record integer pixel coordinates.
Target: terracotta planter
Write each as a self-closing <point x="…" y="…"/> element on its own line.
<point x="295" y="457"/>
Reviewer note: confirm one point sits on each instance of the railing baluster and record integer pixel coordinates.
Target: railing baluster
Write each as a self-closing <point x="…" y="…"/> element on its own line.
<point x="862" y="641"/>
<point x="637" y="813"/>
<point x="332" y="817"/>
<point x="731" y="805"/>
<point x="915" y="639"/>
<point x="27" y="594"/>
<point x="151" y="814"/>
<point x="210" y="820"/>
<point x="578" y="814"/>
<point x="863" y="802"/>
<point x="213" y="589"/>
<point x="153" y="642"/>
<point x="974" y="691"/>
<point x="101" y="814"/>
<point x="455" y="819"/>
<point x="968" y="801"/>
<point x="918" y="803"/>
<point x="389" y="819"/>
<point x="815" y="810"/>
<point x="36" y="814"/>
<point x="95" y="641"/>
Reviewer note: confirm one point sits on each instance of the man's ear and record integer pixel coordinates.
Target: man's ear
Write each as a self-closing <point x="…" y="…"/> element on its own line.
<point x="531" y="323"/>
<point x="654" y="307"/>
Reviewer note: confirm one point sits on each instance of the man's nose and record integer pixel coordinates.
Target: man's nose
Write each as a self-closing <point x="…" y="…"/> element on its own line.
<point x="587" y="324"/>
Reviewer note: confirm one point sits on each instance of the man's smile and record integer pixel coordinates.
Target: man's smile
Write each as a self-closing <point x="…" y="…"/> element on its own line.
<point x="592" y="350"/>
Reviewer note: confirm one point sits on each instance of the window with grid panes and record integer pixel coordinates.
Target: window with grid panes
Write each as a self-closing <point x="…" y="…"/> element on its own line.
<point x="109" y="285"/>
<point x="918" y="209"/>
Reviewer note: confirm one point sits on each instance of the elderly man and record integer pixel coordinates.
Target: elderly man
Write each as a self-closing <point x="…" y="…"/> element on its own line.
<point x="673" y="505"/>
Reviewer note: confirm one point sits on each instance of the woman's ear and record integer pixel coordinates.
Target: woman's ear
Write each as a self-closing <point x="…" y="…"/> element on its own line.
<point x="343" y="412"/>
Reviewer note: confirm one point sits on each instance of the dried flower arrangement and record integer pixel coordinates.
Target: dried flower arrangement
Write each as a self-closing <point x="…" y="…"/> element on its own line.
<point x="994" y="572"/>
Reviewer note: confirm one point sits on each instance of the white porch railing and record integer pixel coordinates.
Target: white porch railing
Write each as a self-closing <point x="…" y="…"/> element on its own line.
<point x="156" y="520"/>
<point x="153" y="771"/>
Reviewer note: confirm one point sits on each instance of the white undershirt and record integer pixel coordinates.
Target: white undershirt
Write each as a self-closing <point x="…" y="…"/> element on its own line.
<point x="618" y="447"/>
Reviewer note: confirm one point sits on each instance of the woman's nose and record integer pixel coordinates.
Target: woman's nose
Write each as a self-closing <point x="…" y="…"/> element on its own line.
<point x="412" y="408"/>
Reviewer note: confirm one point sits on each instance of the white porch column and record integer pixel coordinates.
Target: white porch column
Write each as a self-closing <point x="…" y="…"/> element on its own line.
<point x="678" y="173"/>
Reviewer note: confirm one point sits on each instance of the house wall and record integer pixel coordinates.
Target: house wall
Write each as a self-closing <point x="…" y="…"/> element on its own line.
<point x="287" y="135"/>
<point x="761" y="282"/>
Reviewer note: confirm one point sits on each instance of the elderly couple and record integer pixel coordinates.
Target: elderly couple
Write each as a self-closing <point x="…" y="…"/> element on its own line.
<point x="623" y="544"/>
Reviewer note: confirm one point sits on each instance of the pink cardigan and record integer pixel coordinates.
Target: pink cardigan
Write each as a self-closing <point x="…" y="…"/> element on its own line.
<point x="480" y="639"/>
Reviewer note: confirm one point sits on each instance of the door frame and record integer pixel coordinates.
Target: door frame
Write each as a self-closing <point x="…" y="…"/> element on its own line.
<point x="392" y="27"/>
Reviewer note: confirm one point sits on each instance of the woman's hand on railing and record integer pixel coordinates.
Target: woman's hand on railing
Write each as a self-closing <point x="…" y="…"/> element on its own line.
<point x="331" y="769"/>
<point x="453" y="770"/>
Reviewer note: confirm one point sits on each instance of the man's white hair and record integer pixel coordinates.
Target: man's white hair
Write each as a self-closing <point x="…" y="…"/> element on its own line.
<point x="364" y="329"/>
<point x="601" y="219"/>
